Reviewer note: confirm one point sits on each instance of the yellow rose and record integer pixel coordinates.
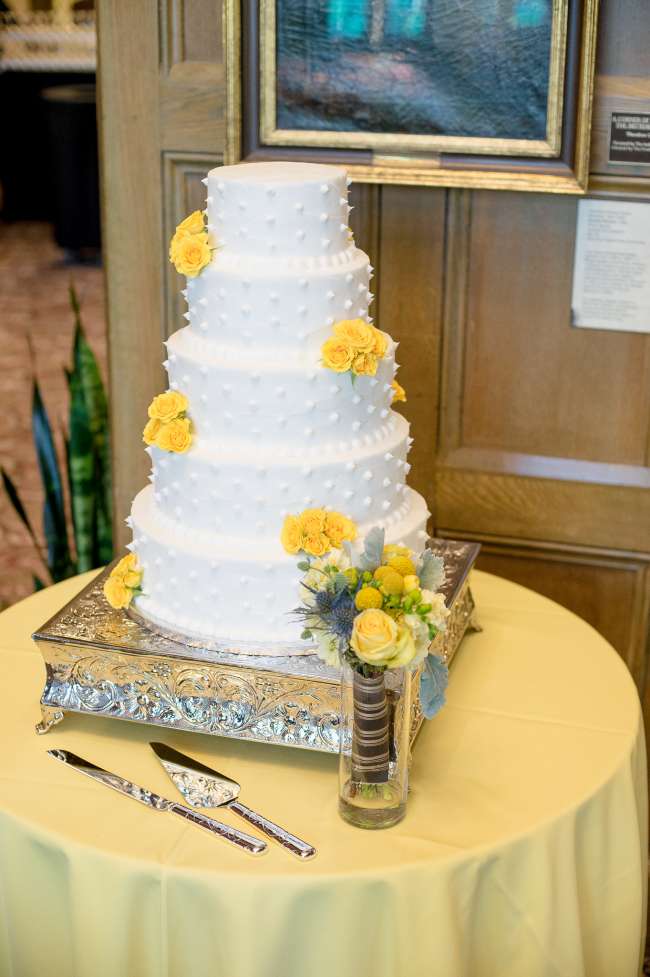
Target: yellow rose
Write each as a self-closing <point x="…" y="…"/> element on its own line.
<point x="192" y="225"/>
<point x="312" y="522"/>
<point x="392" y="549"/>
<point x="116" y="592"/>
<point x="190" y="254"/>
<point x="365" y="365"/>
<point x="411" y="583"/>
<point x="356" y="333"/>
<point x="316" y="545"/>
<point x="129" y="571"/>
<point x="339" y="528"/>
<point x="405" y="649"/>
<point x="337" y="355"/>
<point x="380" y="344"/>
<point x="399" y="393"/>
<point x="175" y="436"/>
<point x="151" y="429"/>
<point x="291" y="535"/>
<point x="165" y="407"/>
<point x="373" y="636"/>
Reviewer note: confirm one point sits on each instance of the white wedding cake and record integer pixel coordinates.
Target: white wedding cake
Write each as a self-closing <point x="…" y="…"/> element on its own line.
<point x="261" y="426"/>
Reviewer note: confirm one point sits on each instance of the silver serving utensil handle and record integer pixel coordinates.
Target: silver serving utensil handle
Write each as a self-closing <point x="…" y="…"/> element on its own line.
<point x="291" y="842"/>
<point x="250" y="844"/>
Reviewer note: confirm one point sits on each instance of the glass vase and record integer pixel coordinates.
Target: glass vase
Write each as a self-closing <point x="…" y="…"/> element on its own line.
<point x="374" y="746"/>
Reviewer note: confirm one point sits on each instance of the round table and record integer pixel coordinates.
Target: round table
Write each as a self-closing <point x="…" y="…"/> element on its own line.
<point x="523" y="851"/>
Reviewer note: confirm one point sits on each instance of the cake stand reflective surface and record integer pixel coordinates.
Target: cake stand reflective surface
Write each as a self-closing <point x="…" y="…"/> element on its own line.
<point x="104" y="662"/>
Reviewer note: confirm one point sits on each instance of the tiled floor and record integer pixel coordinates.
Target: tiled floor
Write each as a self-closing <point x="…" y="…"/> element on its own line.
<point x="34" y="311"/>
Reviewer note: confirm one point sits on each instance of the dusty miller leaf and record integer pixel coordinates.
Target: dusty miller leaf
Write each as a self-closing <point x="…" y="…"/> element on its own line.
<point x="431" y="571"/>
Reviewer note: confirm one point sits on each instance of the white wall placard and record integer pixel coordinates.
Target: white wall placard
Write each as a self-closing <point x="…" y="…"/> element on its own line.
<point x="611" y="269"/>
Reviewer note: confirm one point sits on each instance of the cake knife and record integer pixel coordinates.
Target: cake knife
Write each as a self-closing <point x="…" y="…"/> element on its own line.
<point x="248" y="843"/>
<point x="203" y="787"/>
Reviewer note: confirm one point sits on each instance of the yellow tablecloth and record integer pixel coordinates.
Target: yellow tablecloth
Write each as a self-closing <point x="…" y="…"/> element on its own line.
<point x="523" y="852"/>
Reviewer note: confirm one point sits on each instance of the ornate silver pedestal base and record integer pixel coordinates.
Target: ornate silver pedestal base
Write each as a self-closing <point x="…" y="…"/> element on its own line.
<point x="101" y="662"/>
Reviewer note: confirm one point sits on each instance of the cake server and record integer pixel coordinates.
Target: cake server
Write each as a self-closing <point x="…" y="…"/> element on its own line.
<point x="255" y="846"/>
<point x="203" y="787"/>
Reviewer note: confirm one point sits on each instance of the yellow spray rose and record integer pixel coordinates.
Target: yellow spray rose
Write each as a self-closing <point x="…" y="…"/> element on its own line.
<point x="193" y="224"/>
<point x="356" y="333"/>
<point x="151" y="429"/>
<point x="190" y="254"/>
<point x="117" y="593"/>
<point x="411" y="583"/>
<point x="339" y="528"/>
<point x="380" y="344"/>
<point x="165" y="407"/>
<point x="337" y="355"/>
<point x="316" y="545"/>
<point x="399" y="393"/>
<point x="365" y="365"/>
<point x="291" y="535"/>
<point x="175" y="436"/>
<point x="312" y="522"/>
<point x="374" y="634"/>
<point x="128" y="570"/>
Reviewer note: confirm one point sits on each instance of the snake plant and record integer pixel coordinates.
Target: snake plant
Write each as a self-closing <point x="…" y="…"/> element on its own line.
<point x="87" y="470"/>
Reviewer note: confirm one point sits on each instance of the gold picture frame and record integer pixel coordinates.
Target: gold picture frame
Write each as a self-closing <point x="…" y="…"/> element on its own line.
<point x="559" y="163"/>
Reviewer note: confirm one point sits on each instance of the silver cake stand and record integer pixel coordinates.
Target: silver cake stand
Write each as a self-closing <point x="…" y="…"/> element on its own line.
<point x="104" y="662"/>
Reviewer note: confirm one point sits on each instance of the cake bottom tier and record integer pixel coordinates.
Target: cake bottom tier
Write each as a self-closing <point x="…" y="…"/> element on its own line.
<point x="229" y="590"/>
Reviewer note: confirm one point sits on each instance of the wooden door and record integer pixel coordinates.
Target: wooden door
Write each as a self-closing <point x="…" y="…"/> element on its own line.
<point x="531" y="436"/>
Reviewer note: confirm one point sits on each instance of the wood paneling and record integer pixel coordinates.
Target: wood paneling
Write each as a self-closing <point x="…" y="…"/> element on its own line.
<point x="562" y="392"/>
<point x="412" y="253"/>
<point x="529" y="435"/>
<point x="132" y="232"/>
<point x="610" y="592"/>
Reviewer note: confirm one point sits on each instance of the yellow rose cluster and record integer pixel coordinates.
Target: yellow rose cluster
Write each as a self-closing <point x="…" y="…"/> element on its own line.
<point x="355" y="347"/>
<point x="168" y="427"/>
<point x="399" y="393"/>
<point x="123" y="582"/>
<point x="189" y="250"/>
<point x="316" y="531"/>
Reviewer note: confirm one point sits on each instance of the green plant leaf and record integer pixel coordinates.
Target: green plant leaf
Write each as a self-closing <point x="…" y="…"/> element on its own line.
<point x="90" y="490"/>
<point x="19" y="509"/>
<point x="54" y="522"/>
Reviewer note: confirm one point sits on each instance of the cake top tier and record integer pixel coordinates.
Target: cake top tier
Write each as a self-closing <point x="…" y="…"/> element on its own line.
<point x="273" y="210"/>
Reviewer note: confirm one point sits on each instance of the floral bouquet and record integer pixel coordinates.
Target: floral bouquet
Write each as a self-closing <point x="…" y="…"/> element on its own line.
<point x="376" y="613"/>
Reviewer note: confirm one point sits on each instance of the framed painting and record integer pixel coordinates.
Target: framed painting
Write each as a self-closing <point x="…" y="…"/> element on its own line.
<point x="487" y="93"/>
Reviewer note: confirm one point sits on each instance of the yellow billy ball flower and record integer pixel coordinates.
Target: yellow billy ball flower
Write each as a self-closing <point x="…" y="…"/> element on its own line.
<point x="165" y="407"/>
<point x="411" y="583"/>
<point x="390" y="581"/>
<point x="403" y="565"/>
<point x="368" y="597"/>
<point x="337" y="355"/>
<point x="175" y="436"/>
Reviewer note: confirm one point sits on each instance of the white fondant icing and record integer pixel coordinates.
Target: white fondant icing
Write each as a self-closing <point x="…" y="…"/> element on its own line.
<point x="274" y="431"/>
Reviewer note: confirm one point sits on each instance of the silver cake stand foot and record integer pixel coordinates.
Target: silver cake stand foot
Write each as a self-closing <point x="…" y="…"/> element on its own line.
<point x="49" y="717"/>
